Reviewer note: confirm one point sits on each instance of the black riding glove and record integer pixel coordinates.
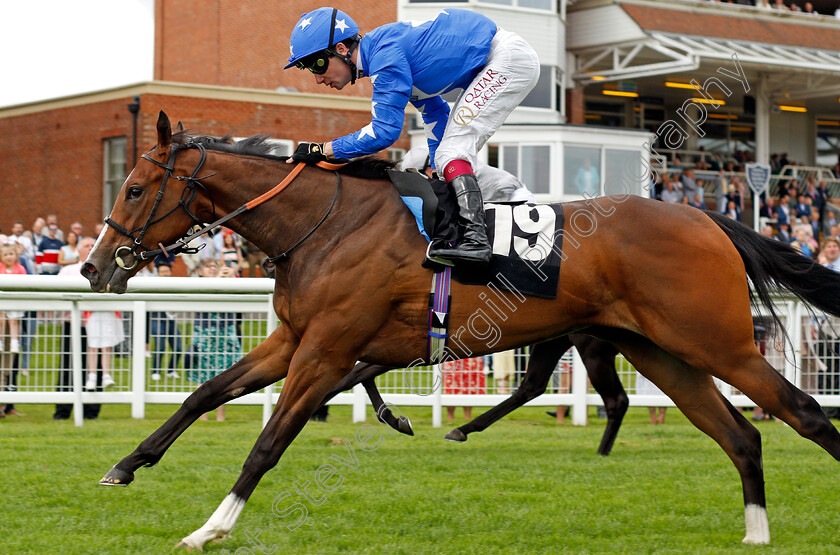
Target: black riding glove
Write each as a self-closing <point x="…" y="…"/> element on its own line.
<point x="310" y="153"/>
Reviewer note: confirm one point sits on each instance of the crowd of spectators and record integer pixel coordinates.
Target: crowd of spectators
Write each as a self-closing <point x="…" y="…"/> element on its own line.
<point x="46" y="249"/>
<point x="778" y="5"/>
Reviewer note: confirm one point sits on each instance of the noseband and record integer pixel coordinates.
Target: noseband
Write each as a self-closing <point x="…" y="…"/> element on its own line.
<point x="188" y="195"/>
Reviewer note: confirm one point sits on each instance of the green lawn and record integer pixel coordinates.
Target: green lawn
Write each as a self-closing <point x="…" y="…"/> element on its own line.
<point x="525" y="485"/>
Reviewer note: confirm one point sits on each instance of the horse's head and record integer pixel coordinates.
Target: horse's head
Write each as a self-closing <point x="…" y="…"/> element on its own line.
<point x="145" y="217"/>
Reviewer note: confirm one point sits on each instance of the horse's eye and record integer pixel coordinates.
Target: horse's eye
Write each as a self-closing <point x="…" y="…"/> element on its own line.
<point x="134" y="192"/>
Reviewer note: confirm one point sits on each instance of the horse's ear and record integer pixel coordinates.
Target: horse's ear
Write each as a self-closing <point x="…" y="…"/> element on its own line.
<point x="164" y="132"/>
<point x="179" y="128"/>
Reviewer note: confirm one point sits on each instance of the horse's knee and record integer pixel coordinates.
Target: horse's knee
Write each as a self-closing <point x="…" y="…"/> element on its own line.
<point x="616" y="406"/>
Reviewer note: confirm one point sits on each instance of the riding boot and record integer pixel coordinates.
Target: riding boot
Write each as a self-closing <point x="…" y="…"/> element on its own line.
<point x="473" y="247"/>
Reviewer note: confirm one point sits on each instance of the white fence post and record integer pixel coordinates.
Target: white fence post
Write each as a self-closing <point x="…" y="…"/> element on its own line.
<point x="268" y="397"/>
<point x="794" y="324"/>
<point x="359" y="403"/>
<point x="437" y="396"/>
<point x="138" y="361"/>
<point x="76" y="355"/>
<point x="580" y="388"/>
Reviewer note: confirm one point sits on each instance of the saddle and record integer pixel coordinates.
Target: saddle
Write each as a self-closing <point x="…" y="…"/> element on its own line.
<point x="434" y="208"/>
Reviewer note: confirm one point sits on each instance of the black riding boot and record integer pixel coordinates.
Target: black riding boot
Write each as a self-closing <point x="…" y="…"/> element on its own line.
<point x="473" y="247"/>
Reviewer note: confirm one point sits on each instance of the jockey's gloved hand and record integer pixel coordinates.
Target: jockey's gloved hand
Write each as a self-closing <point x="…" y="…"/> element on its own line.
<point x="310" y="153"/>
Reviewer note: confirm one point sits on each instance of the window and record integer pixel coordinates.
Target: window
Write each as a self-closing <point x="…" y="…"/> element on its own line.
<point x="540" y="95"/>
<point x="582" y="170"/>
<point x="396" y="154"/>
<point x="623" y="173"/>
<point x="530" y="163"/>
<point x="534" y="4"/>
<point x="114" y="171"/>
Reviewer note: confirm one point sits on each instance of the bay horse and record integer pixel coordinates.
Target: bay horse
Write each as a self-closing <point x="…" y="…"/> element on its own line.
<point x="598" y="357"/>
<point x="665" y="284"/>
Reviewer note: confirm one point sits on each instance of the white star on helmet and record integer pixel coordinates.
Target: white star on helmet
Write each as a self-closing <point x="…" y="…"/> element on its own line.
<point x="305" y="22"/>
<point x="341" y="25"/>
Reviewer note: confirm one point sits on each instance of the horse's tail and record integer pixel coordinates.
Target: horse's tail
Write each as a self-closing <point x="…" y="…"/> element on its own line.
<point x="773" y="264"/>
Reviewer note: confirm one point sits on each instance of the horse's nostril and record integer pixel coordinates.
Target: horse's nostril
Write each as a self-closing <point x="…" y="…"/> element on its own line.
<point x="88" y="270"/>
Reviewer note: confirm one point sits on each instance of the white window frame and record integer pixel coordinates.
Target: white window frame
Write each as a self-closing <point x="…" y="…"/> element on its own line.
<point x="111" y="184"/>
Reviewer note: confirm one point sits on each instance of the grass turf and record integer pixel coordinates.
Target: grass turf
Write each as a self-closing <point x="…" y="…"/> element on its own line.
<point x="526" y="485"/>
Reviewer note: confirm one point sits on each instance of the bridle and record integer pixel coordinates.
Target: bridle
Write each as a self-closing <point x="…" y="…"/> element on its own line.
<point x="188" y="194"/>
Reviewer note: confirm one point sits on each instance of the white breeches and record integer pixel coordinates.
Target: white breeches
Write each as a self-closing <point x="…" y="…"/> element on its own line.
<point x="511" y="72"/>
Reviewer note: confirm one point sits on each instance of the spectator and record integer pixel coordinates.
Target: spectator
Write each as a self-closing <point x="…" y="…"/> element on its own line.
<point x="69" y="254"/>
<point x="230" y="254"/>
<point x="646" y="387"/>
<point x="732" y="210"/>
<point x="828" y="344"/>
<point x="670" y="193"/>
<point x="9" y="265"/>
<point x="37" y="232"/>
<point x="698" y="202"/>
<point x="104" y="332"/>
<point x="688" y="185"/>
<point x="163" y="328"/>
<point x="784" y="232"/>
<point x="46" y="258"/>
<point x="463" y="377"/>
<point x="804" y="242"/>
<point x="783" y="212"/>
<point x="76" y="227"/>
<point x="216" y="340"/>
<point x="803" y="207"/>
<point x="19" y="237"/>
<point x="587" y="180"/>
<point x="52" y="219"/>
<point x="768" y="209"/>
<point x="65" y="375"/>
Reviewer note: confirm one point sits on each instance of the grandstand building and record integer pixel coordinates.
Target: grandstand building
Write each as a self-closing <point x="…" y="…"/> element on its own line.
<point x="687" y="80"/>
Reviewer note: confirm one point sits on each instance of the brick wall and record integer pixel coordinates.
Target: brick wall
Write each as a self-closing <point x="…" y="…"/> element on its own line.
<point x="53" y="160"/>
<point x="246" y="44"/>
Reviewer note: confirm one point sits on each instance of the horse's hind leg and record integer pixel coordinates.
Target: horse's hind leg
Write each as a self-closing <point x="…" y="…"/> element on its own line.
<point x="599" y="358"/>
<point x="544" y="357"/>
<point x="265" y="365"/>
<point x="695" y="394"/>
<point x="759" y="381"/>
<point x="364" y="373"/>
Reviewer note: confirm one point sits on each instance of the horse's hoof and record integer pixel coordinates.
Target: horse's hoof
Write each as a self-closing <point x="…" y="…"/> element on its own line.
<point x="187" y="547"/>
<point x="116" y="477"/>
<point x="456" y="435"/>
<point x="405" y="426"/>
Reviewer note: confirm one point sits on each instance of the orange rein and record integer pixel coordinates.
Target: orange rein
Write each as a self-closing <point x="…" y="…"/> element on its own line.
<point x="287" y="181"/>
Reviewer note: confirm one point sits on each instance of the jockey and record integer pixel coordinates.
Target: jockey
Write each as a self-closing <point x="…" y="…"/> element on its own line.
<point x="418" y="62"/>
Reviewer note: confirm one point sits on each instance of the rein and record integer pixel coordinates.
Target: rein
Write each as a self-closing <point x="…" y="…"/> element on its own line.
<point x="188" y="195"/>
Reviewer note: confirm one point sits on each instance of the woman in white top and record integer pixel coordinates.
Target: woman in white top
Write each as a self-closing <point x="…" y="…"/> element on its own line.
<point x="69" y="253"/>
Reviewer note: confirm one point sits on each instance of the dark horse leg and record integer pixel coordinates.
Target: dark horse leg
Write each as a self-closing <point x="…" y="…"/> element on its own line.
<point x="365" y="373"/>
<point x="544" y="357"/>
<point x="266" y="364"/>
<point x="599" y="359"/>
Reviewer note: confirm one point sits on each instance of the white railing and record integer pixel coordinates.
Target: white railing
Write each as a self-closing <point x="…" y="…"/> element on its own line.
<point x="55" y="307"/>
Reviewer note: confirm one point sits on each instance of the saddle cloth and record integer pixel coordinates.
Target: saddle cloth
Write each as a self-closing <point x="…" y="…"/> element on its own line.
<point x="526" y="238"/>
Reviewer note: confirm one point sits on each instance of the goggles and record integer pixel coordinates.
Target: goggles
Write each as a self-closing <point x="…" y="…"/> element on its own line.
<point x="316" y="63"/>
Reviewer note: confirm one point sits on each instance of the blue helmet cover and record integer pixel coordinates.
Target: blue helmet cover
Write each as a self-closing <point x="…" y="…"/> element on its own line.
<point x="313" y="31"/>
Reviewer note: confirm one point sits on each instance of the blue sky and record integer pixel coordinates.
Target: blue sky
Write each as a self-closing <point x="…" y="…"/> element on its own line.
<point x="54" y="48"/>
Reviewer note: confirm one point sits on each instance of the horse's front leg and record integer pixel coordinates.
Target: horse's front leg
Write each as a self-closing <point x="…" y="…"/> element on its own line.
<point x="266" y="364"/>
<point x="312" y="375"/>
<point x="364" y="373"/>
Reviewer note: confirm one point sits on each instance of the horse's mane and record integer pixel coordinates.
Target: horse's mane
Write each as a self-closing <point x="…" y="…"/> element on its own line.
<point x="367" y="167"/>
